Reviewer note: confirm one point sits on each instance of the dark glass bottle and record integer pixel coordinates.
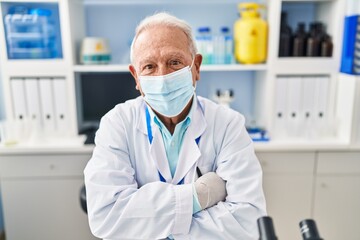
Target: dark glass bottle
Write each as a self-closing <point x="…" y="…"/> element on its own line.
<point x="285" y="37"/>
<point x="299" y="41"/>
<point x="326" y="46"/>
<point x="316" y="35"/>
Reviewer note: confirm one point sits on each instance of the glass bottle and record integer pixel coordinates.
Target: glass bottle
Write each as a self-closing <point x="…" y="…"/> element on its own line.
<point x="285" y="37"/>
<point x="299" y="41"/>
<point x="315" y="38"/>
<point x="326" y="46"/>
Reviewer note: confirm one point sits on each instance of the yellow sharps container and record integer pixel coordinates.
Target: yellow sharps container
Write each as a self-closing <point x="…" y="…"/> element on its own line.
<point x="250" y="35"/>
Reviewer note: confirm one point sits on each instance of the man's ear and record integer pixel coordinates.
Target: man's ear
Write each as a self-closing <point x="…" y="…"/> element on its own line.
<point x="197" y="64"/>
<point x="135" y="76"/>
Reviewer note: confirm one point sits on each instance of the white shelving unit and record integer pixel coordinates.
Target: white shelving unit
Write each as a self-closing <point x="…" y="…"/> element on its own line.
<point x="71" y="31"/>
<point x="74" y="27"/>
<point x="206" y="68"/>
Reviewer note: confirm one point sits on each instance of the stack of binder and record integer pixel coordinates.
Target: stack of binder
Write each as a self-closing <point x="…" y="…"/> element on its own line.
<point x="302" y="107"/>
<point x="41" y="105"/>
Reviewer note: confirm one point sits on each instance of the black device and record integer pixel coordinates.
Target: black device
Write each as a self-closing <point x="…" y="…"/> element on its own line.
<point x="309" y="230"/>
<point x="96" y="94"/>
<point x="266" y="228"/>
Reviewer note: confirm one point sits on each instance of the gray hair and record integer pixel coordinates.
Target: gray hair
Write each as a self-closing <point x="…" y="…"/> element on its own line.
<point x="164" y="19"/>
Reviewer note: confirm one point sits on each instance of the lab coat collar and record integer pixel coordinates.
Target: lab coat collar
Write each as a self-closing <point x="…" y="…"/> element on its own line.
<point x="141" y="123"/>
<point x="189" y="153"/>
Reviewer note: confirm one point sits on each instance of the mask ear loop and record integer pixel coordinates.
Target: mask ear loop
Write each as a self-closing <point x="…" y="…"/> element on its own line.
<point x="192" y="64"/>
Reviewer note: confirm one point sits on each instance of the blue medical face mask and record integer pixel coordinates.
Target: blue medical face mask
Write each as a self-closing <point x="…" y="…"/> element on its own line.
<point x="168" y="94"/>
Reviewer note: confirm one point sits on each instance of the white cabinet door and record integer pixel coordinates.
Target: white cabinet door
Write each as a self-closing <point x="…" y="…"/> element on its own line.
<point x="337" y="207"/>
<point x="337" y="195"/>
<point x="288" y="183"/>
<point x="41" y="196"/>
<point x="44" y="209"/>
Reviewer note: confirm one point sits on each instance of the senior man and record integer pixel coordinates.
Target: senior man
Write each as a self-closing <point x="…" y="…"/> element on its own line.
<point x="170" y="164"/>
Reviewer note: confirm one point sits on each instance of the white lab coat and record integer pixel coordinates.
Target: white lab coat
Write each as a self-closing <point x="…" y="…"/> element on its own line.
<point x="126" y="199"/>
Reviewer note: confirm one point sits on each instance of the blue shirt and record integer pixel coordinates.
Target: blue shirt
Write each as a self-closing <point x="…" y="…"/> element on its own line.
<point x="173" y="143"/>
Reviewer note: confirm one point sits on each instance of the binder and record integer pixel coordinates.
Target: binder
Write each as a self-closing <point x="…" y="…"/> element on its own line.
<point x="47" y="105"/>
<point x="322" y="89"/>
<point x="60" y="103"/>
<point x="33" y="99"/>
<point x="293" y="101"/>
<point x="308" y="111"/>
<point x="18" y="98"/>
<point x="280" y="107"/>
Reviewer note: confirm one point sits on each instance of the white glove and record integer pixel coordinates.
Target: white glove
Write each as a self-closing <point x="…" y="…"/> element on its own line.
<point x="210" y="189"/>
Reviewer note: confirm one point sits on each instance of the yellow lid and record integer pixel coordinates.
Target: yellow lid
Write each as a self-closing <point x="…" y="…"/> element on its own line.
<point x="248" y="5"/>
<point x="249" y="9"/>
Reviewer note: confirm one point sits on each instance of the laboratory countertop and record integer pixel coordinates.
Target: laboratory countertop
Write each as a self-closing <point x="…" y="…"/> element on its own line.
<point x="76" y="146"/>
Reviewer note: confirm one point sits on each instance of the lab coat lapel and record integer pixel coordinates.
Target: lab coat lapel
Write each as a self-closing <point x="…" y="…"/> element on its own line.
<point x="158" y="154"/>
<point x="141" y="122"/>
<point x="156" y="149"/>
<point x="190" y="152"/>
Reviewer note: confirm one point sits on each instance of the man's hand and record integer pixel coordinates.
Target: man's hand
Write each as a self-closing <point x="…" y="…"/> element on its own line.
<point x="210" y="189"/>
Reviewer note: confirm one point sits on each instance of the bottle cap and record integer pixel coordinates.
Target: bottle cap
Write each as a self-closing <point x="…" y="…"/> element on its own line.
<point x="204" y="29"/>
<point x="224" y="29"/>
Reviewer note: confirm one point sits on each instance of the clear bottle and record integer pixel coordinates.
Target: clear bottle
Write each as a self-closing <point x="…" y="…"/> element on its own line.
<point x="219" y="48"/>
<point x="285" y="37"/>
<point x="228" y="46"/>
<point x="299" y="41"/>
<point x="223" y="47"/>
<point x="204" y="44"/>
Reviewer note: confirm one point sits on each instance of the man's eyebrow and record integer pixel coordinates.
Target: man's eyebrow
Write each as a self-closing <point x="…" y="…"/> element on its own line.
<point x="170" y="55"/>
<point x="146" y="60"/>
<point x="177" y="55"/>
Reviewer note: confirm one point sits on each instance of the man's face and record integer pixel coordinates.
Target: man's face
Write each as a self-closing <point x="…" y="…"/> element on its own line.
<point x="162" y="50"/>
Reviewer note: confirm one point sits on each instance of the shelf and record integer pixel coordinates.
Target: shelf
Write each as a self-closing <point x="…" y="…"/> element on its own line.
<point x="305" y="65"/>
<point x="101" y="68"/>
<point x="307" y="1"/>
<point x="145" y="2"/>
<point x="234" y="67"/>
<point x="206" y="68"/>
<point x="302" y="145"/>
<point x="36" y="67"/>
<point x="74" y="146"/>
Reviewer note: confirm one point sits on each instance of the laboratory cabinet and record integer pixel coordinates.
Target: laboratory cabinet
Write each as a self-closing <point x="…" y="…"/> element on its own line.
<point x="40" y="194"/>
<point x="337" y="195"/>
<point x="41" y="188"/>
<point x="322" y="185"/>
<point x="288" y="188"/>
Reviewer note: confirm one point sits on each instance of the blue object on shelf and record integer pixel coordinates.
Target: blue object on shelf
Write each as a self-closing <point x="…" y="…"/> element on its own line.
<point x="258" y="134"/>
<point x="40" y="12"/>
<point x="350" y="60"/>
<point x="33" y="32"/>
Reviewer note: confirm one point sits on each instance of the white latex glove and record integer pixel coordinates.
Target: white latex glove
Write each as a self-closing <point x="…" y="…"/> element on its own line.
<point x="210" y="189"/>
